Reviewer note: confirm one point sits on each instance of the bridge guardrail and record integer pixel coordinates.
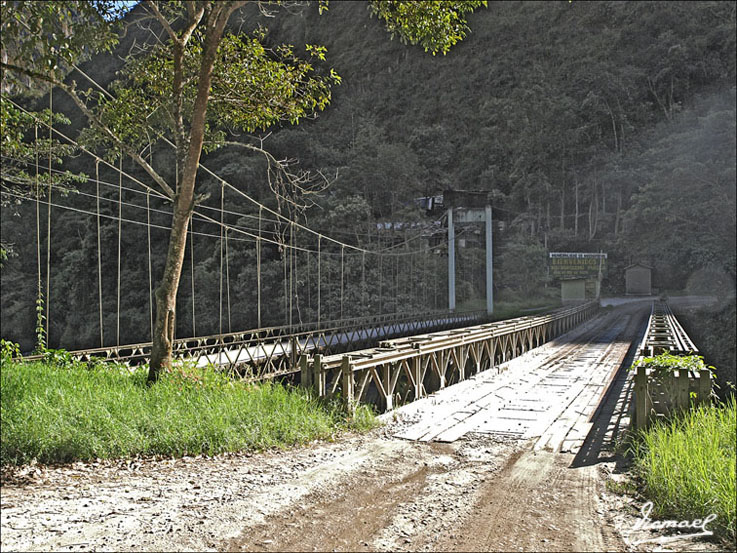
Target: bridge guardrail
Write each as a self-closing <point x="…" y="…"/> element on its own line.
<point x="659" y="393"/>
<point x="273" y="351"/>
<point x="409" y="368"/>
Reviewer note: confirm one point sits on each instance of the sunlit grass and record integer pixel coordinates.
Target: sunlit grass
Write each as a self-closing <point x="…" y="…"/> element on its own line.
<point x="688" y="466"/>
<point x="68" y="412"/>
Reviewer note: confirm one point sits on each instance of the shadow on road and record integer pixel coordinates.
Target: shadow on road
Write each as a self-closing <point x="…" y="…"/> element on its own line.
<point x="611" y="418"/>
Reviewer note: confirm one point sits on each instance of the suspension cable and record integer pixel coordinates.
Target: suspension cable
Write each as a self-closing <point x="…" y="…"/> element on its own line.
<point x="120" y="235"/>
<point x="319" y="283"/>
<point x="364" y="300"/>
<point x="191" y="270"/>
<point x="227" y="277"/>
<point x="222" y="215"/>
<point x="258" y="268"/>
<point x="39" y="290"/>
<point x="99" y="260"/>
<point x="48" y="222"/>
<point x="211" y="173"/>
<point x="342" y="271"/>
<point x="150" y="273"/>
<point x="284" y="281"/>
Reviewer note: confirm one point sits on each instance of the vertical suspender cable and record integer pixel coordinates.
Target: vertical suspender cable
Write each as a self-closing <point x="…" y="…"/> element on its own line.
<point x="309" y="284"/>
<point x="222" y="214"/>
<point x="291" y="270"/>
<point x="150" y="273"/>
<point x="363" y="278"/>
<point x="258" y="270"/>
<point x="99" y="254"/>
<point x="284" y="279"/>
<point x="227" y="276"/>
<point x="396" y="283"/>
<point x="191" y="272"/>
<point x="435" y="282"/>
<point x="342" y="272"/>
<point x="39" y="290"/>
<point x="148" y="241"/>
<point x="319" y="284"/>
<point x="411" y="279"/>
<point x="381" y="282"/>
<point x="424" y="279"/>
<point x="48" y="222"/>
<point x="120" y="234"/>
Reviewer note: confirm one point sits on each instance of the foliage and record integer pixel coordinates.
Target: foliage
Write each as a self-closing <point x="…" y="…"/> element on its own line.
<point x="53" y="36"/>
<point x="20" y="156"/>
<point x="253" y="88"/>
<point x="686" y="176"/>
<point x="523" y="262"/>
<point x="436" y="26"/>
<point x="687" y="466"/>
<point x="61" y="412"/>
<point x="554" y="108"/>
<point x="40" y="324"/>
<point x="666" y="363"/>
<point x="9" y="350"/>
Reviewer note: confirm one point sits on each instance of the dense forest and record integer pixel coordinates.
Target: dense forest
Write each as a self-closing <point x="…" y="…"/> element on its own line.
<point x="606" y="126"/>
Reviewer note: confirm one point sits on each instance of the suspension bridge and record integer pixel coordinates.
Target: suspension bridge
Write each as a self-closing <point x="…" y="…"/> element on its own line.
<point x="345" y="317"/>
<point x="296" y="289"/>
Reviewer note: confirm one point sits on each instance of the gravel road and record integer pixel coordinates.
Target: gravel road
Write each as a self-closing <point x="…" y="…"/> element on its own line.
<point x="369" y="492"/>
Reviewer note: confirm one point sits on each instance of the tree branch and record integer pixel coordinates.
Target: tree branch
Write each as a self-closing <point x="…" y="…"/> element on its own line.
<point x="161" y="19"/>
<point x="71" y="92"/>
<point x="280" y="177"/>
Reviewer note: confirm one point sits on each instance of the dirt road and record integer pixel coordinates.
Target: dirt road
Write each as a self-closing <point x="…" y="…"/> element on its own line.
<point x="373" y="492"/>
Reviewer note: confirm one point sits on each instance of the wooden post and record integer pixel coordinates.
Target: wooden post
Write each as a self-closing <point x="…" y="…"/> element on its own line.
<point x="387" y="377"/>
<point x="417" y="370"/>
<point x="680" y="401"/>
<point x="642" y="413"/>
<point x="346" y="369"/>
<point x="704" y="391"/>
<point x="445" y="358"/>
<point x="293" y="352"/>
<point x="462" y="358"/>
<point x="305" y="372"/>
<point x="318" y="377"/>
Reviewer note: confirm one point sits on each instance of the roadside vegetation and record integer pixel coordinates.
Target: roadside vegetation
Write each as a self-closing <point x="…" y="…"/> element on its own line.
<point x="686" y="466"/>
<point x="62" y="411"/>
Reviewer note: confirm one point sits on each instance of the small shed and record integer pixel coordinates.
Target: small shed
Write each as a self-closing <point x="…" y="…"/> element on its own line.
<point x="638" y="280"/>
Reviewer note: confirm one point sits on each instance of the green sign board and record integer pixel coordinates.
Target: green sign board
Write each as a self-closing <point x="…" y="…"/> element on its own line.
<point x="570" y="265"/>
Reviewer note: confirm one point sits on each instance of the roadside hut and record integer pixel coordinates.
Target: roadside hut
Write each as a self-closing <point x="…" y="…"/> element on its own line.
<point x="637" y="279"/>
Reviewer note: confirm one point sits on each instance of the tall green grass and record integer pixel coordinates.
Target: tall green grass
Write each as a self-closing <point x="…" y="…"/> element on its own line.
<point x="688" y="466"/>
<point x="65" y="412"/>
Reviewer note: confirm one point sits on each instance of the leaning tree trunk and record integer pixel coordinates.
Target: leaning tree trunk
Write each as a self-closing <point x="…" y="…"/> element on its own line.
<point x="166" y="293"/>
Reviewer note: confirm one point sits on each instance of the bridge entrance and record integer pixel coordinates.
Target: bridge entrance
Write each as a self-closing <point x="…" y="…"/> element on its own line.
<point x="549" y="394"/>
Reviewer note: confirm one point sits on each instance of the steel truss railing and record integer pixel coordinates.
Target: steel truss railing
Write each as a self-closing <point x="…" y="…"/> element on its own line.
<point x="409" y="368"/>
<point x="263" y="353"/>
<point x="665" y="334"/>
<point x="661" y="393"/>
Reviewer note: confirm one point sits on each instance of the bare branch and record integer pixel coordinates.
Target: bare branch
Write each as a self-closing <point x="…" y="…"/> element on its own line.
<point x="291" y="187"/>
<point x="161" y="19"/>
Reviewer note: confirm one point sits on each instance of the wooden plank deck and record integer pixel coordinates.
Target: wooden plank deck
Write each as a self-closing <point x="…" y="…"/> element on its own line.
<point x="549" y="393"/>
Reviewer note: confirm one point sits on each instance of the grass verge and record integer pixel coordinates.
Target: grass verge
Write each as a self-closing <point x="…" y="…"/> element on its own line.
<point x="63" y="412"/>
<point x="687" y="466"/>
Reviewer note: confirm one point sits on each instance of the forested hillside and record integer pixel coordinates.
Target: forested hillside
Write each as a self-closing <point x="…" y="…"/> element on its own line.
<point x="606" y="126"/>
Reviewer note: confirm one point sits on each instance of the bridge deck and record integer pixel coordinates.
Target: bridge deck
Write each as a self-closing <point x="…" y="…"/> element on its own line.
<point x="549" y="393"/>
